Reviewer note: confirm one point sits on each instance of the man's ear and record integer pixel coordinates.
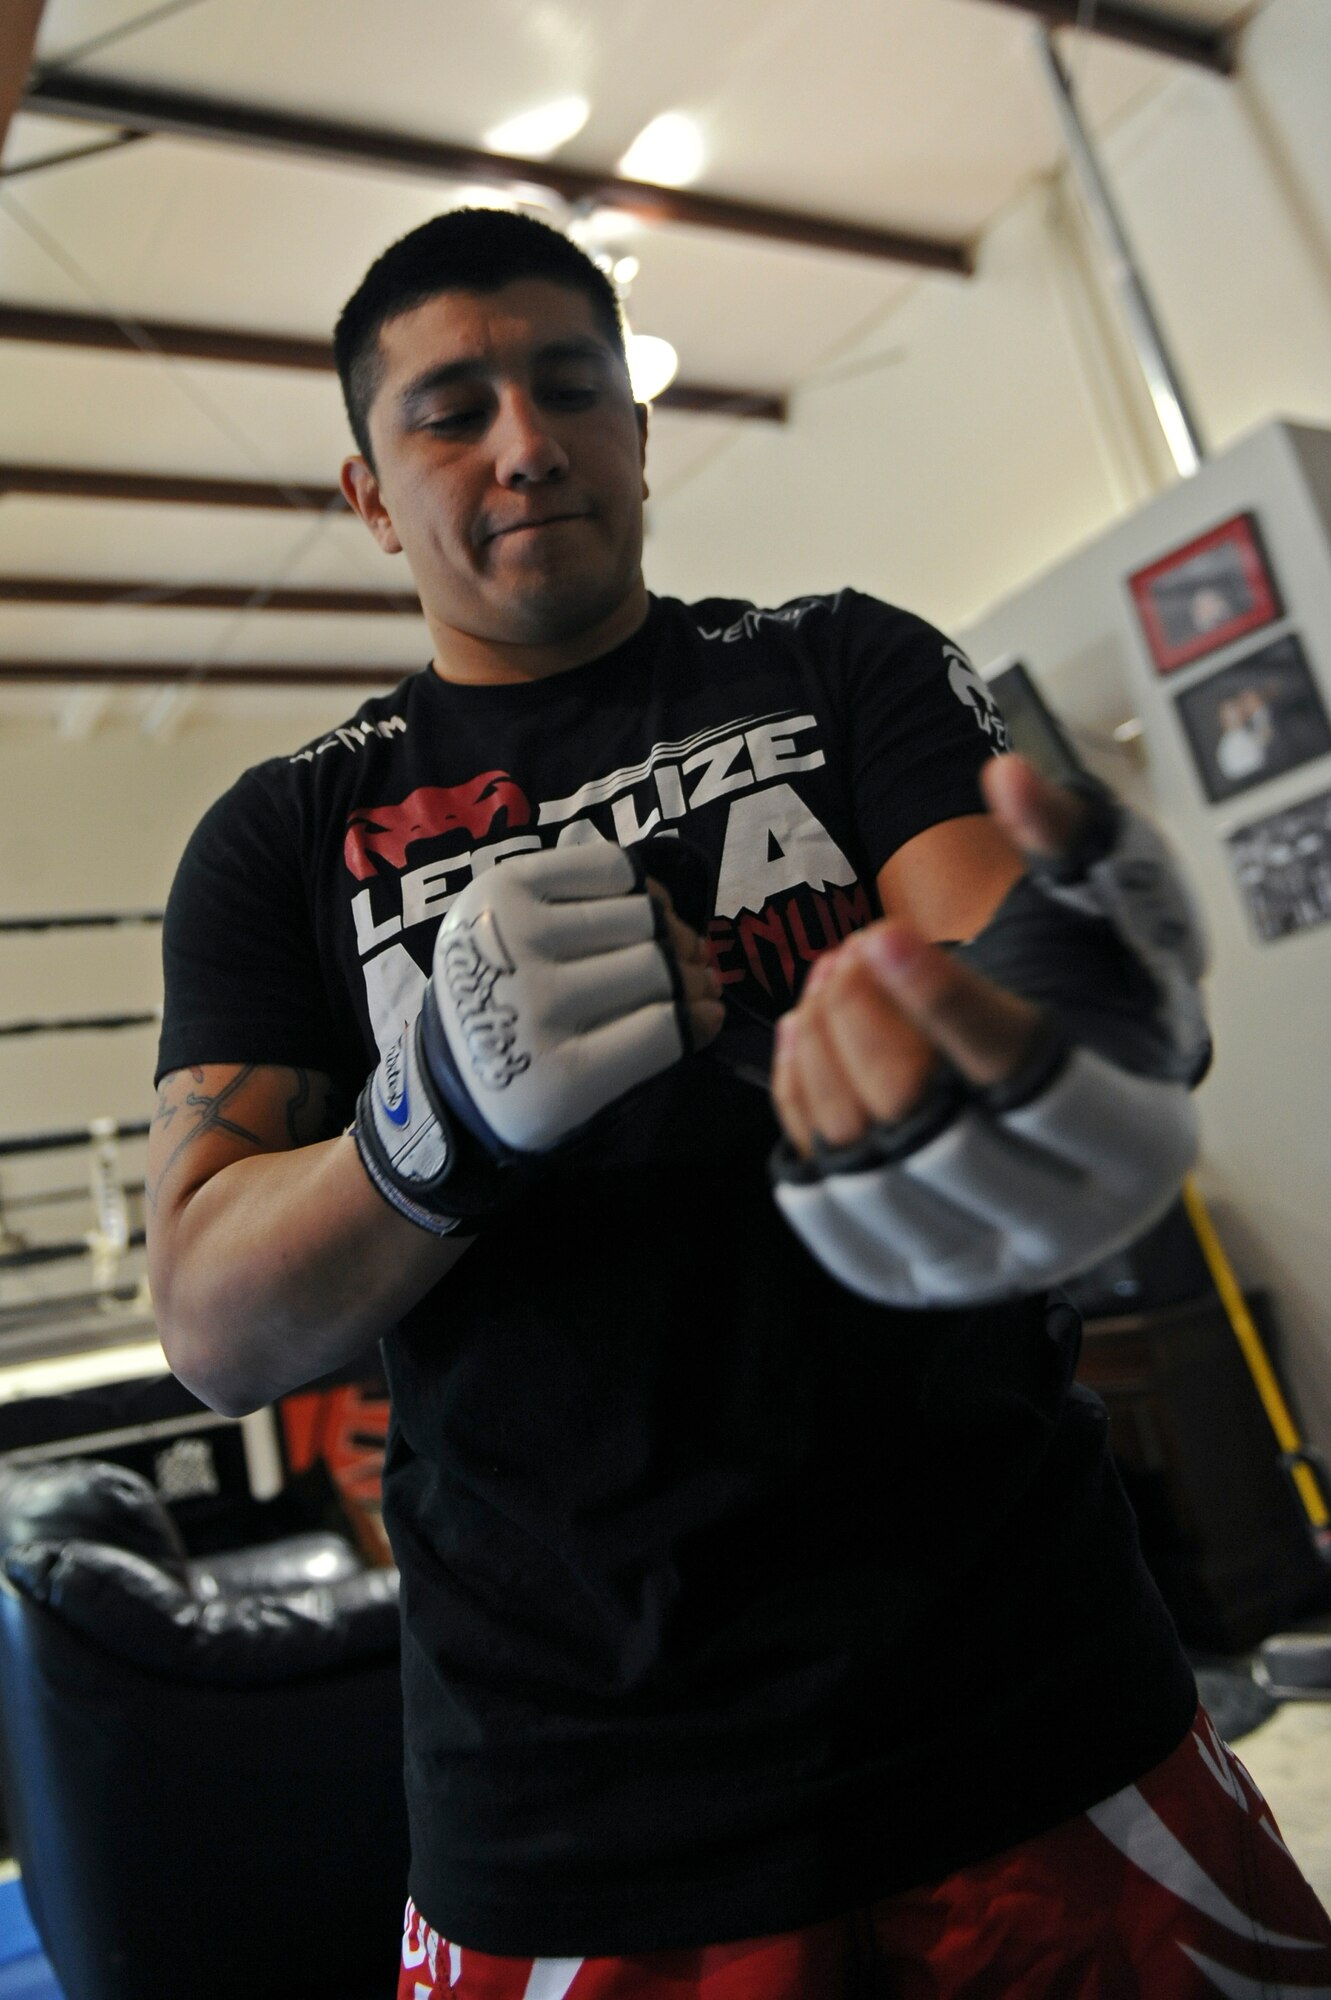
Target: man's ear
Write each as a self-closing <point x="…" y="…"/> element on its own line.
<point x="641" y="412"/>
<point x="360" y="487"/>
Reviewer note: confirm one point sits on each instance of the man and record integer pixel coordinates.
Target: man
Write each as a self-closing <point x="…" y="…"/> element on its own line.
<point x="769" y="1606"/>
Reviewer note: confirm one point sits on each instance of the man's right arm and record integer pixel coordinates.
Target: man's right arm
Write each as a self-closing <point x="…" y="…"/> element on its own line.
<point x="272" y="1259"/>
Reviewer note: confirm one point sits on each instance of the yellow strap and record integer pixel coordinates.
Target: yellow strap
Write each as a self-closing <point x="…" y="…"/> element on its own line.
<point x="1250" y="1341"/>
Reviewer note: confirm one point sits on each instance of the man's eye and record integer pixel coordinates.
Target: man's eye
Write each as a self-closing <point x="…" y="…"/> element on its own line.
<point x="572" y="395"/>
<point x="455" y="420"/>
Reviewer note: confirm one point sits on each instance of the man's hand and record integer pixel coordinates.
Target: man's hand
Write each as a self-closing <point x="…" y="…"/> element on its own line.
<point x="560" y="982"/>
<point x="971" y="1125"/>
<point x="877" y="1013"/>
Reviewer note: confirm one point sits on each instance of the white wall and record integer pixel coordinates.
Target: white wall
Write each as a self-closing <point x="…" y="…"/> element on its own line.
<point x="96" y="825"/>
<point x="99" y="825"/>
<point x="1266" y="1107"/>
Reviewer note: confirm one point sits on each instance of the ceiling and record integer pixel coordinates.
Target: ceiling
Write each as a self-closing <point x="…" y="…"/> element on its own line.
<point x="922" y="116"/>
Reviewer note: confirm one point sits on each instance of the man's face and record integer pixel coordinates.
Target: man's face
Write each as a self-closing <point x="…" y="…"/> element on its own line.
<point x="509" y="458"/>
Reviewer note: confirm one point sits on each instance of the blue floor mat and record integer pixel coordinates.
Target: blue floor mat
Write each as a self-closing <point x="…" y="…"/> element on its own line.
<point x="25" y="1972"/>
<point x="29" y="1979"/>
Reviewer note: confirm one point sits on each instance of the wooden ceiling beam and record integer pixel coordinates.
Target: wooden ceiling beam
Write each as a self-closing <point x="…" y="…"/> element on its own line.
<point x="149" y="595"/>
<point x="19" y="22"/>
<point x="1153" y="28"/>
<point x="158" y="673"/>
<point x="78" y="482"/>
<point x="107" y="100"/>
<point x="51" y="327"/>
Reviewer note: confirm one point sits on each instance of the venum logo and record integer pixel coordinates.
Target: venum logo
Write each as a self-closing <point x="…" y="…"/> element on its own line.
<point x="969" y="688"/>
<point x="473" y="959"/>
<point x="388" y="831"/>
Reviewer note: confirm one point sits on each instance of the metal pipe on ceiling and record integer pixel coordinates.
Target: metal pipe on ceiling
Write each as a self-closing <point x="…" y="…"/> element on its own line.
<point x="1150" y="28"/>
<point x="1163" y="383"/>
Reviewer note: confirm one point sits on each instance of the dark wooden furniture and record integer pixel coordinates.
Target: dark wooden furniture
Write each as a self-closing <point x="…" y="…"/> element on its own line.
<point x="1221" y="1526"/>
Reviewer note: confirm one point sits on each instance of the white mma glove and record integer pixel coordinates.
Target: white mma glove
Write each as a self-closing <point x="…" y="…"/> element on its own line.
<point x="553" y="992"/>
<point x="981" y="1195"/>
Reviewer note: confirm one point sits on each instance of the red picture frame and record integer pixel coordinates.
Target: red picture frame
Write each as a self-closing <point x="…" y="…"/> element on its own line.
<point x="1205" y="594"/>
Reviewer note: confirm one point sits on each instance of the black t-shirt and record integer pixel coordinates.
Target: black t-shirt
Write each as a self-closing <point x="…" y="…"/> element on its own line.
<point x="730" y="1600"/>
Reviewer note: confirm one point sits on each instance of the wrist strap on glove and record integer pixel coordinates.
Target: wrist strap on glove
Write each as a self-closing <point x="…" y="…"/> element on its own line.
<point x="984" y="1194"/>
<point x="424" y="1161"/>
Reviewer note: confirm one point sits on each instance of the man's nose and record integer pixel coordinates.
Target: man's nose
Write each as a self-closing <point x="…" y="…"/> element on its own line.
<point x="527" y="452"/>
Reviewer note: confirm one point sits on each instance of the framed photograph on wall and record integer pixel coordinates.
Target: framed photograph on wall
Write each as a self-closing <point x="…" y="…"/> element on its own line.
<point x="1255" y="718"/>
<point x="1206" y="594"/>
<point x="1283" y="866"/>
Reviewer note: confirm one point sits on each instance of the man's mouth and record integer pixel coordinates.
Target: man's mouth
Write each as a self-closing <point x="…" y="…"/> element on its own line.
<point x="529" y="525"/>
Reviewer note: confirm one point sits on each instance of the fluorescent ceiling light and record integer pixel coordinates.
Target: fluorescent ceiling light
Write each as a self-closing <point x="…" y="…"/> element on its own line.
<point x="608" y="225"/>
<point x="669" y="151"/>
<point x="653" y="365"/>
<point x="535" y="134"/>
<point x="477" y="196"/>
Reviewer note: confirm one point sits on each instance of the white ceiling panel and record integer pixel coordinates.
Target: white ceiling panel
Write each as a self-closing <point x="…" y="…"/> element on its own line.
<point x="105" y="634"/>
<point x="180" y="230"/>
<point x="184" y="545"/>
<point x="760" y="315"/>
<point x="71" y="406"/>
<point x="679" y="445"/>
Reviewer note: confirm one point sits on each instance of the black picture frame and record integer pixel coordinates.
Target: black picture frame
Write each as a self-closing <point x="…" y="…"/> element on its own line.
<point x="1283" y="868"/>
<point x="1254" y="719"/>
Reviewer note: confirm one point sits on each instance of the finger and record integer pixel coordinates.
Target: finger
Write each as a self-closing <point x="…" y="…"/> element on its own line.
<point x="787" y="1088"/>
<point x="889" y="1058"/>
<point x="827" y="1090"/>
<point x="686" y="944"/>
<point x="700" y="980"/>
<point x="568" y="931"/>
<point x="982" y="1029"/>
<point x="1041" y="817"/>
<point x="701" y="984"/>
<point x="706" y="1020"/>
<point x="661" y="894"/>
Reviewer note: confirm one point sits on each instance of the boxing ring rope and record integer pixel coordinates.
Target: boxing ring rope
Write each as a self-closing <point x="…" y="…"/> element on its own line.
<point x="82" y="920"/>
<point x="70" y="1024"/>
<point x="111" y="1238"/>
<point x="66" y="1140"/>
<point x="59" y="1253"/>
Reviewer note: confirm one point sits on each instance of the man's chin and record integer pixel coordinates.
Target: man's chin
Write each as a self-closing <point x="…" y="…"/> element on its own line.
<point x="554" y="610"/>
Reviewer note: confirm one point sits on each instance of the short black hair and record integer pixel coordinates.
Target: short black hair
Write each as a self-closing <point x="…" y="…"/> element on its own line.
<point x="466" y="250"/>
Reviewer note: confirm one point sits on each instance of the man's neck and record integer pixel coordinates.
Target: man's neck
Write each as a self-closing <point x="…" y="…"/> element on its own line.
<point x="461" y="656"/>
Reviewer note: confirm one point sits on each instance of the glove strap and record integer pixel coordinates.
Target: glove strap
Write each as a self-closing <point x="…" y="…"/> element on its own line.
<point x="421" y="1158"/>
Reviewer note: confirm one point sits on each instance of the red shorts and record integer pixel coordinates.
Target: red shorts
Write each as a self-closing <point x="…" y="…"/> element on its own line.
<point x="1177" y="1888"/>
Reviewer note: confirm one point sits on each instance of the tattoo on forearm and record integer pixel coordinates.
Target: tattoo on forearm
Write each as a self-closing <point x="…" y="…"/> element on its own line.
<point x="296" y="1103"/>
<point x="211" y="1118"/>
<point x="164" y="1110"/>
